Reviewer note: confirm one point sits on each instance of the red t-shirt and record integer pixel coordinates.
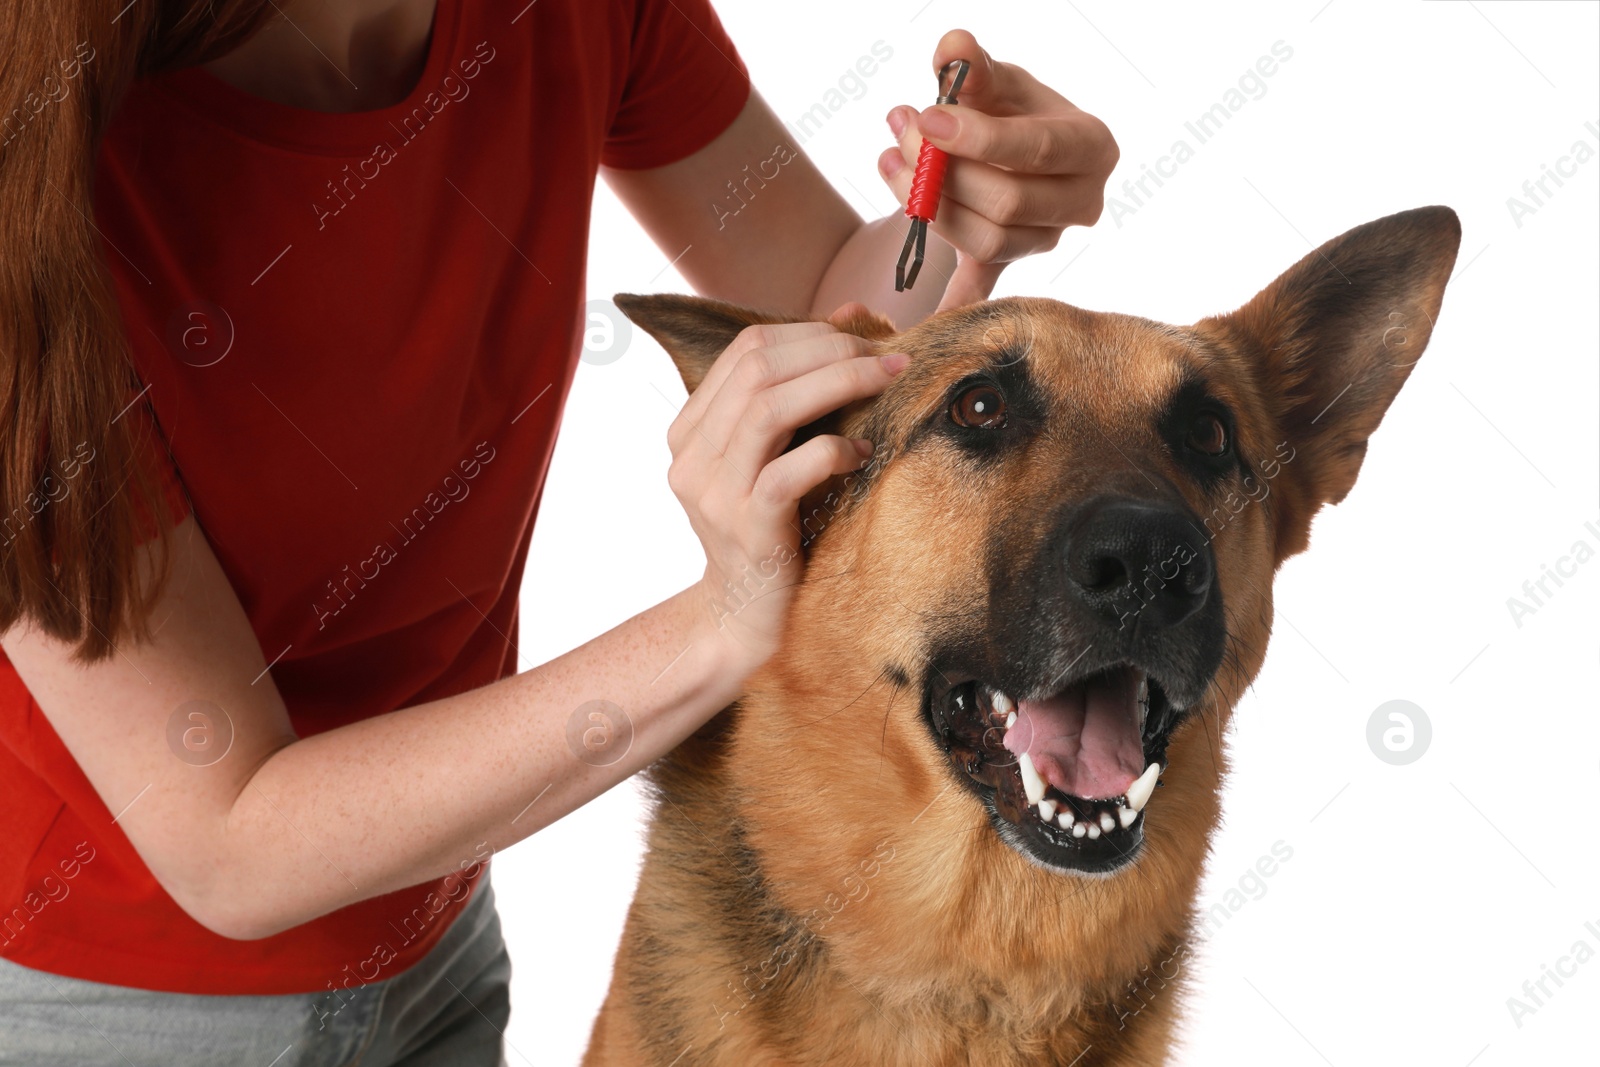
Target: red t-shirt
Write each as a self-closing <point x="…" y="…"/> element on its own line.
<point x="358" y="331"/>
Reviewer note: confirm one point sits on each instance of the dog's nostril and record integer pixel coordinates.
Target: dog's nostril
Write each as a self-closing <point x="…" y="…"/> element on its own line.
<point x="1131" y="560"/>
<point x="1104" y="572"/>
<point x="1196" y="575"/>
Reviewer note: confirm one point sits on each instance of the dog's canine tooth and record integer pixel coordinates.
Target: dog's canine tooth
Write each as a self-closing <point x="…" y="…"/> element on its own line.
<point x="1011" y="720"/>
<point x="1107" y="822"/>
<point x="1047" y="810"/>
<point x="1004" y="705"/>
<point x="1139" y="792"/>
<point x="1032" y="784"/>
<point x="1126" y="816"/>
<point x="1064" y="820"/>
<point x="1094" y="831"/>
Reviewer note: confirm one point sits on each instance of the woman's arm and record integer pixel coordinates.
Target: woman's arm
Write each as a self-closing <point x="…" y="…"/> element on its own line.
<point x="280" y="830"/>
<point x="753" y="221"/>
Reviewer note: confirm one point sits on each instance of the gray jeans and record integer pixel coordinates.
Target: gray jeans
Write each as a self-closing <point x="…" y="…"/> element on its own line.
<point x="451" y="1008"/>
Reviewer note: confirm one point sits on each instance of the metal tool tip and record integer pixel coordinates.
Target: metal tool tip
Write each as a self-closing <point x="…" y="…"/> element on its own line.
<point x="951" y="78"/>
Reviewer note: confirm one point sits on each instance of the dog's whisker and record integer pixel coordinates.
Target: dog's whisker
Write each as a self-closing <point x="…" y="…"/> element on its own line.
<point x="976" y="612"/>
<point x="843" y="707"/>
<point x="888" y="708"/>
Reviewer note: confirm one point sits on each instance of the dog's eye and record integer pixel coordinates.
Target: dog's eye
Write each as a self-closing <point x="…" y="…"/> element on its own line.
<point x="980" y="407"/>
<point x="1208" y="435"/>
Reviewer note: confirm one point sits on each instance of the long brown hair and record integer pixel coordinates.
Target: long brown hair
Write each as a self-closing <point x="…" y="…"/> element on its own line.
<point x="69" y="560"/>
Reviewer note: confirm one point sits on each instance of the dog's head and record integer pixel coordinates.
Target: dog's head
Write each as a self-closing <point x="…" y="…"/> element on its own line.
<point x="1053" y="580"/>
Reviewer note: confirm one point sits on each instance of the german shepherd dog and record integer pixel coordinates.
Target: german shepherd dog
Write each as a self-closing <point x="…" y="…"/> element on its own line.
<point x="929" y="833"/>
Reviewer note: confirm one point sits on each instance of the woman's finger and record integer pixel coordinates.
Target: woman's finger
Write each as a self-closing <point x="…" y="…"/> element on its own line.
<point x="761" y="369"/>
<point x="1060" y="142"/>
<point x="751" y="338"/>
<point x="970" y="283"/>
<point x="1013" y="199"/>
<point x="1009" y="197"/>
<point x="775" y="414"/>
<point x="995" y="88"/>
<point x="970" y="232"/>
<point x="787" y="479"/>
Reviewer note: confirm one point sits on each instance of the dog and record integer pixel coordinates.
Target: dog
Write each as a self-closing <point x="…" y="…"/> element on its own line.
<point x="930" y="832"/>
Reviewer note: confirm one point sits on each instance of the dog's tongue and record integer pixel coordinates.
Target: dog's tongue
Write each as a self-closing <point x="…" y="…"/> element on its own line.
<point x="1084" y="740"/>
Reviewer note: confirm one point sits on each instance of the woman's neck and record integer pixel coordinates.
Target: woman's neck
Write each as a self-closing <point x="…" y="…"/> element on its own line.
<point x="349" y="55"/>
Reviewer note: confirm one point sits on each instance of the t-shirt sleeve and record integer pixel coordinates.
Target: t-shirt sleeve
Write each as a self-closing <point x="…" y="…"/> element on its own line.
<point x="150" y="445"/>
<point x="685" y="85"/>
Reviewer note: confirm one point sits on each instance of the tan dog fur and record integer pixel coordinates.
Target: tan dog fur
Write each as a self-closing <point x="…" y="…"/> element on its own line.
<point x="818" y="889"/>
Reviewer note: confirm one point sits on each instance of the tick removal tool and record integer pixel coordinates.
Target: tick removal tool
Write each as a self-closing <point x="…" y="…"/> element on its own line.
<point x="922" y="205"/>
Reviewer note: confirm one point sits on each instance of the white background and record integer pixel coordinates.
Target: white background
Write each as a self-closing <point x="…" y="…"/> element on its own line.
<point x="1420" y="897"/>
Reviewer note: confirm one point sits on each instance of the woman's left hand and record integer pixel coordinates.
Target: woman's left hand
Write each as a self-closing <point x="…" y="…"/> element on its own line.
<point x="1025" y="164"/>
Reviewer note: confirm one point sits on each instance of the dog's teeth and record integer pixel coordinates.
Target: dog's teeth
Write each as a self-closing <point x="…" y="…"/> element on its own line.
<point x="1126" y="816"/>
<point x="1139" y="792"/>
<point x="1003" y="704"/>
<point x="1107" y="823"/>
<point x="1032" y="784"/>
<point x="1064" y="820"/>
<point x="1094" y="831"/>
<point x="1080" y="829"/>
<point x="1143" y="699"/>
<point x="1011" y="720"/>
<point x="1047" y="810"/>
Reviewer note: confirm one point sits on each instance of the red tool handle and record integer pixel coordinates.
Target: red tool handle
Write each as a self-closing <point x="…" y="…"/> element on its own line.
<point x="927" y="183"/>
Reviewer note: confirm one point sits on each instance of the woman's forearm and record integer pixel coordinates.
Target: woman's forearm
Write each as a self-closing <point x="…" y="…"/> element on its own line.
<point x="409" y="796"/>
<point x="863" y="270"/>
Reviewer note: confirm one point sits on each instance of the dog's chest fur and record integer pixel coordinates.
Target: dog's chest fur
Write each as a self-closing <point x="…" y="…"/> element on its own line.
<point x="721" y="967"/>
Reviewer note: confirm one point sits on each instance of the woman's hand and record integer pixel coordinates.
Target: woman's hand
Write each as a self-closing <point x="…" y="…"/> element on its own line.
<point x="1025" y="164"/>
<point x="741" y="489"/>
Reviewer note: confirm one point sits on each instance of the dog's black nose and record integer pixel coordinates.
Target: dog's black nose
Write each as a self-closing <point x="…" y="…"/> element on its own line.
<point x="1136" y="561"/>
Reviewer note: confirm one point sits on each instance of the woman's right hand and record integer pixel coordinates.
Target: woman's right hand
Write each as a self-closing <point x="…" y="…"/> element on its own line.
<point x="739" y="486"/>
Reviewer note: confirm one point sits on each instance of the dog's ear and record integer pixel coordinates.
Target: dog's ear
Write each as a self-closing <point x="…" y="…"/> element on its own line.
<point x="694" y="330"/>
<point x="1332" y="341"/>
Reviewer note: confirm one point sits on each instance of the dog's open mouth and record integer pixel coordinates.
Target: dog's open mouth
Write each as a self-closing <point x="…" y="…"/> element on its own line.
<point x="1066" y="777"/>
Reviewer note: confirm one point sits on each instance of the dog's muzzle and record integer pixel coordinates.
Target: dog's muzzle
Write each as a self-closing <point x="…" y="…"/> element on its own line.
<point x="1062" y="722"/>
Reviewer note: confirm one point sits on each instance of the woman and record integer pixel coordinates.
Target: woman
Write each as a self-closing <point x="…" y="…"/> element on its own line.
<point x="291" y="298"/>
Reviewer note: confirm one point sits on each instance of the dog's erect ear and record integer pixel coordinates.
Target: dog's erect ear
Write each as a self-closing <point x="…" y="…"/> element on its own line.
<point x="1333" y="339"/>
<point x="694" y="330"/>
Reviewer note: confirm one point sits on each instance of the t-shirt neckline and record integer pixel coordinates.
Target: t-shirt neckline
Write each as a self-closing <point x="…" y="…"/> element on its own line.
<point x="302" y="129"/>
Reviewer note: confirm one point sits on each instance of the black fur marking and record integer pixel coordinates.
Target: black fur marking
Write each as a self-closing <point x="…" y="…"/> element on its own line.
<point x="1026" y="408"/>
<point x="1190" y="400"/>
<point x="770" y="952"/>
